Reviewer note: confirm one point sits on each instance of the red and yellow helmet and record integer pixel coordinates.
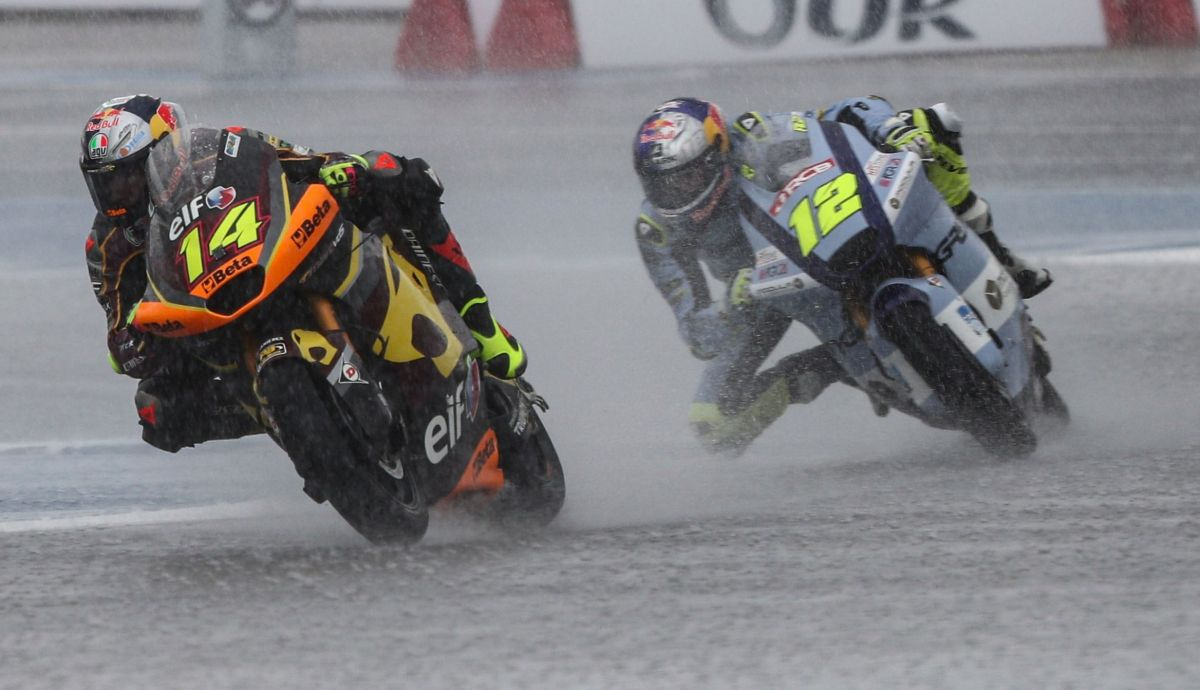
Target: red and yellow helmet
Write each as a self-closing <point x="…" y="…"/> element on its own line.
<point x="116" y="140"/>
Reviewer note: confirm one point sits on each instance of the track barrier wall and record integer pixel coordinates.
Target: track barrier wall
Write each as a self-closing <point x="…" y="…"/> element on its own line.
<point x="561" y="34"/>
<point x="456" y="37"/>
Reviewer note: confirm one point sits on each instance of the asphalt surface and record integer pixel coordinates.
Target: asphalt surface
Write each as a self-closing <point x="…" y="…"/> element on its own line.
<point x="842" y="551"/>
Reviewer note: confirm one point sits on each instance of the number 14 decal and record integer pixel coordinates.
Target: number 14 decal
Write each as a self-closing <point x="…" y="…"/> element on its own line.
<point x="240" y="226"/>
<point x="835" y="200"/>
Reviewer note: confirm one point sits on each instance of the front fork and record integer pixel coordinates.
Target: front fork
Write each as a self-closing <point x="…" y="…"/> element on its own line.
<point x="856" y="301"/>
<point x="333" y="357"/>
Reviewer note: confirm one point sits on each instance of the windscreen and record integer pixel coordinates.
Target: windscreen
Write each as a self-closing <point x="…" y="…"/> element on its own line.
<point x="181" y="167"/>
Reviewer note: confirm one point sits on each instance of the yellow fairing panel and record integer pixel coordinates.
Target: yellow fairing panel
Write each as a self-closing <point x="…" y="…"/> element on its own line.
<point x="414" y="326"/>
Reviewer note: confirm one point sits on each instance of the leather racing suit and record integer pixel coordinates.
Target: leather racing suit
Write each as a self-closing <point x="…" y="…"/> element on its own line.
<point x="180" y="400"/>
<point x="735" y="402"/>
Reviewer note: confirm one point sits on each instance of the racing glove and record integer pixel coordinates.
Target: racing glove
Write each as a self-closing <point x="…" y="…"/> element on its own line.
<point x="704" y="331"/>
<point x="406" y="188"/>
<point x="128" y="354"/>
<point x="903" y="136"/>
<point x="739" y="289"/>
<point x="346" y="175"/>
<point x="934" y="134"/>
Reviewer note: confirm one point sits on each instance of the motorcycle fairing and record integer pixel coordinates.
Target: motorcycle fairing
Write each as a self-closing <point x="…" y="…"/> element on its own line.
<point x="362" y="313"/>
<point x="976" y="300"/>
<point x="413" y="327"/>
<point x="181" y="286"/>
<point x="333" y="356"/>
<point x="483" y="473"/>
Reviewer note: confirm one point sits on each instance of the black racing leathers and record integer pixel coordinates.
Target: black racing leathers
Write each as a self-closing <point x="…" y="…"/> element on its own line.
<point x="180" y="402"/>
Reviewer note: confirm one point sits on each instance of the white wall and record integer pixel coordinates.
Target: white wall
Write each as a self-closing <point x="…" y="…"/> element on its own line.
<point x="174" y="5"/>
<point x="643" y="32"/>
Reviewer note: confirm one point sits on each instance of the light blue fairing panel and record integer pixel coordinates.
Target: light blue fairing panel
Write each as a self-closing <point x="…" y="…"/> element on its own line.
<point x="811" y="190"/>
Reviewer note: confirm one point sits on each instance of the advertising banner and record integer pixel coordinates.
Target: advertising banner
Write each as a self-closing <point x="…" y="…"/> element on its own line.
<point x="615" y="33"/>
<point x="248" y="7"/>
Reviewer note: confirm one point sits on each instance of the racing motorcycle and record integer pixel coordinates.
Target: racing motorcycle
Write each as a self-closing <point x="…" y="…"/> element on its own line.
<point x="858" y="245"/>
<point x="340" y="341"/>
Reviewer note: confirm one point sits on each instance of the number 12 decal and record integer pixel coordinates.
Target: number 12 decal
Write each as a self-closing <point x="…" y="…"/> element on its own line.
<point x="835" y="200"/>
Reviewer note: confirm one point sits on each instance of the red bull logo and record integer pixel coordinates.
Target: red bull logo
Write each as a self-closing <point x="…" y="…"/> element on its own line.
<point x="659" y="130"/>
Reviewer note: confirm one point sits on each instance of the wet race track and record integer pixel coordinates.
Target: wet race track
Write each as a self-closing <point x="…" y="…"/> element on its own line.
<point x="841" y="551"/>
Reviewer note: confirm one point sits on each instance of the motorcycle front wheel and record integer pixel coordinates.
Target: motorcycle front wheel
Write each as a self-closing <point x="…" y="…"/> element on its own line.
<point x="537" y="487"/>
<point x="972" y="395"/>
<point x="323" y="441"/>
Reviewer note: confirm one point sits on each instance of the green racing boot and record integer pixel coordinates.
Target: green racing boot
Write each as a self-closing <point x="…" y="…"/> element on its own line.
<point x="502" y="355"/>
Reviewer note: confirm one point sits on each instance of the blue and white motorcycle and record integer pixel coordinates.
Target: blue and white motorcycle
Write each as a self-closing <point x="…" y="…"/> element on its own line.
<point x="859" y="246"/>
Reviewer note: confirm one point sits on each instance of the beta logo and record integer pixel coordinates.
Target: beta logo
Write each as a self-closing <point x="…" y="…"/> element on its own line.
<point x="444" y="430"/>
<point x="219" y="276"/>
<point x="168" y="326"/>
<point x="306" y="228"/>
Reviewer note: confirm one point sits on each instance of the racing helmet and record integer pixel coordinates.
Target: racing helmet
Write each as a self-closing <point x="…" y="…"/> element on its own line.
<point x="681" y="157"/>
<point x="116" y="140"/>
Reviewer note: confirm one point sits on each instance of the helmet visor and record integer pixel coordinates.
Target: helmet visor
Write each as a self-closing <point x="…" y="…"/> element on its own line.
<point x="119" y="189"/>
<point x="678" y="191"/>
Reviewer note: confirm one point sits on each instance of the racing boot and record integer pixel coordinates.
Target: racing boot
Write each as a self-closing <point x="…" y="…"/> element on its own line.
<point x="729" y="425"/>
<point x="1031" y="279"/>
<point x="730" y="433"/>
<point x="502" y="355"/>
<point x="174" y="414"/>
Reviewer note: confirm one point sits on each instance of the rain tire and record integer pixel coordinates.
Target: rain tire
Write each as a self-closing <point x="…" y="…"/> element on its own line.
<point x="317" y="434"/>
<point x="975" y="399"/>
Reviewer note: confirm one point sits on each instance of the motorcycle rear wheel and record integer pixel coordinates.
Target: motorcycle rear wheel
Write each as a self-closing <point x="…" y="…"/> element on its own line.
<point x="318" y="434"/>
<point x="974" y="398"/>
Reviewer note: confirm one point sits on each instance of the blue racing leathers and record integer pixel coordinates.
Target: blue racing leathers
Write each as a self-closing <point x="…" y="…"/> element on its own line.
<point x="735" y="402"/>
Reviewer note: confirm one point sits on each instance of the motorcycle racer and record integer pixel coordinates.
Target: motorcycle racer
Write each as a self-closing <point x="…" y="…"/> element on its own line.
<point x="683" y="155"/>
<point x="180" y="401"/>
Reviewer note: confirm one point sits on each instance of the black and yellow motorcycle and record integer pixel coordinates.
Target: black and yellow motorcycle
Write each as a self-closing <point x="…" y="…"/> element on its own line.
<point x="339" y="342"/>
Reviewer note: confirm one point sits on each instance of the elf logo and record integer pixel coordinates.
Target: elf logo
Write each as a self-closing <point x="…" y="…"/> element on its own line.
<point x="185" y="217"/>
<point x="444" y="430"/>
